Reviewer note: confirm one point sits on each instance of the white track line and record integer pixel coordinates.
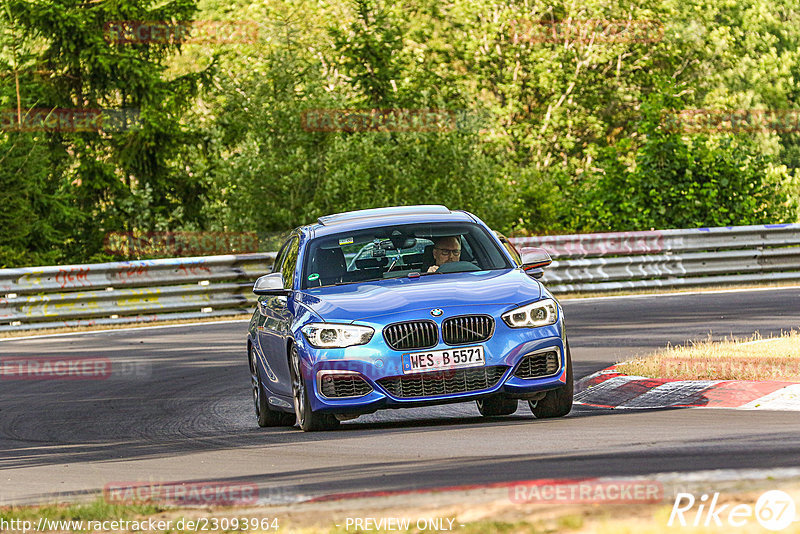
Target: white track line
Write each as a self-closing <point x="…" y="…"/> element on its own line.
<point x="114" y="330"/>
<point x="675" y="294"/>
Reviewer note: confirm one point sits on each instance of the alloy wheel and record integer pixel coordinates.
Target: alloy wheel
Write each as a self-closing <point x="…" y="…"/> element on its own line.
<point x="255" y="383"/>
<point x="298" y="388"/>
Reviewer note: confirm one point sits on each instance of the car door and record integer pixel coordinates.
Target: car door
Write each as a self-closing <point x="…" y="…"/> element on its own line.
<point x="274" y="330"/>
<point x="266" y="324"/>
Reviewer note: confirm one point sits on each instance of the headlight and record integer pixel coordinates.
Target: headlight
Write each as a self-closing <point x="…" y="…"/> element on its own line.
<point x="540" y="313"/>
<point x="327" y="335"/>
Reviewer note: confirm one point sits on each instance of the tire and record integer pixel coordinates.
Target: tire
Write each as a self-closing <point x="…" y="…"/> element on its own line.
<point x="556" y="402"/>
<point x="308" y="420"/>
<point x="493" y="406"/>
<point x="264" y="414"/>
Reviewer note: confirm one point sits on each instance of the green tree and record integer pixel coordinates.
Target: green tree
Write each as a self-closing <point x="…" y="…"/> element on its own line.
<point x="681" y="181"/>
<point x="274" y="173"/>
<point x="118" y="180"/>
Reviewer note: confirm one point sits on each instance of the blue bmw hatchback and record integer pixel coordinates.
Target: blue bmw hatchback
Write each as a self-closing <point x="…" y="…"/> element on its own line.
<point x="399" y="307"/>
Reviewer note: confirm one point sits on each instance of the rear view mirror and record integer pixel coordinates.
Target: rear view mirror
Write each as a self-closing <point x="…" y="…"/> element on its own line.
<point x="408" y="242"/>
<point x="534" y="260"/>
<point x="270" y="284"/>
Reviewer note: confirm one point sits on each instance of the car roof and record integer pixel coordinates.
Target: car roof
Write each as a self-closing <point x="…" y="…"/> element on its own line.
<point x="356" y="220"/>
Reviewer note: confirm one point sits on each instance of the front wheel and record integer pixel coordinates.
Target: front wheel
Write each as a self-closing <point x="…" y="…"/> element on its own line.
<point x="264" y="414"/>
<point x="556" y="402"/>
<point x="491" y="406"/>
<point x="308" y="420"/>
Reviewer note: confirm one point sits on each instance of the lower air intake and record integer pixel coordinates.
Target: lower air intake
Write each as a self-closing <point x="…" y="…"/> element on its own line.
<point x="537" y="365"/>
<point x="340" y="386"/>
<point x="443" y="382"/>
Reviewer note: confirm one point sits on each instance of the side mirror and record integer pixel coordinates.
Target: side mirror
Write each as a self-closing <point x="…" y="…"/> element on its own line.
<point x="534" y="260"/>
<point x="270" y="284"/>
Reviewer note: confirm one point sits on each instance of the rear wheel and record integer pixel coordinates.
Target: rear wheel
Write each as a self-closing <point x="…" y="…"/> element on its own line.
<point x="556" y="402"/>
<point x="491" y="406"/>
<point x="308" y="420"/>
<point x="264" y="414"/>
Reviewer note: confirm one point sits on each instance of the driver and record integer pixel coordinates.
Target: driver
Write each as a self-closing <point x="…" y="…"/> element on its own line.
<point x="445" y="250"/>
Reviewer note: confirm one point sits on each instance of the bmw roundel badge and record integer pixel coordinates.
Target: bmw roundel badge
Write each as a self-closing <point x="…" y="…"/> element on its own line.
<point x="436" y="312"/>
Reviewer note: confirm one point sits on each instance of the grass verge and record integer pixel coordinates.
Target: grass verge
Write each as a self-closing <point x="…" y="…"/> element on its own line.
<point x="479" y="511"/>
<point x="97" y="510"/>
<point x="755" y="358"/>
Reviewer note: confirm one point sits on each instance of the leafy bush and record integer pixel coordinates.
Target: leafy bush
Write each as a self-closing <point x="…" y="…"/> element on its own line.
<point x="681" y="181"/>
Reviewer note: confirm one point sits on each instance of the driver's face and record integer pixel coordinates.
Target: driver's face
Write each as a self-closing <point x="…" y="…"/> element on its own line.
<point x="446" y="250"/>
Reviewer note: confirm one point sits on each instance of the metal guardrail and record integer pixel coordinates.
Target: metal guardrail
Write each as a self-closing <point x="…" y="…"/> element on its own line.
<point x="216" y="286"/>
<point x="128" y="292"/>
<point x="670" y="258"/>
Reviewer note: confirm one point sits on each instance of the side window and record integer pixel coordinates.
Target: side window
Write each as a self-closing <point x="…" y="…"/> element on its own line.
<point x="281" y="257"/>
<point x="512" y="250"/>
<point x="466" y="249"/>
<point x="290" y="262"/>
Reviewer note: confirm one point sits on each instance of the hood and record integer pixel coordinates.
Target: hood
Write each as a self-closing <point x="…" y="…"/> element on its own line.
<point x="355" y="302"/>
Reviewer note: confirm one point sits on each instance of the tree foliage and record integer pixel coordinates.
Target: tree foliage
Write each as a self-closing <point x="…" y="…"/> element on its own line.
<point x="563" y="126"/>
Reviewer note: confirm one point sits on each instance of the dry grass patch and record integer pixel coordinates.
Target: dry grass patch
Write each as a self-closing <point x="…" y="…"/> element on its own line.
<point x="756" y="358"/>
<point x="475" y="511"/>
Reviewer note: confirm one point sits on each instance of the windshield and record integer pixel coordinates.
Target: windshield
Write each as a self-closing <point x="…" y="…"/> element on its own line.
<point x="397" y="251"/>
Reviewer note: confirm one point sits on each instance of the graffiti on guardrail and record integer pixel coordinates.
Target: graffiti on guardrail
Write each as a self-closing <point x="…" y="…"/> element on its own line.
<point x="135" y="271"/>
<point x="194" y="268"/>
<point x="621" y="243"/>
<point x="73" y="276"/>
<point x="57" y="296"/>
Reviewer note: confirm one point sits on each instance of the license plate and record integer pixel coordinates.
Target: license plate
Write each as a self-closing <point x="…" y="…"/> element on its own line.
<point x="437" y="360"/>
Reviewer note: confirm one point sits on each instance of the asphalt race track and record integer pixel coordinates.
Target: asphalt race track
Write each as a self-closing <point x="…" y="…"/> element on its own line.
<point x="186" y="415"/>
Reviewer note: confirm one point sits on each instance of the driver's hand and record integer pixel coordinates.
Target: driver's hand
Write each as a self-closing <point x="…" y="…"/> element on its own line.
<point x="433" y="268"/>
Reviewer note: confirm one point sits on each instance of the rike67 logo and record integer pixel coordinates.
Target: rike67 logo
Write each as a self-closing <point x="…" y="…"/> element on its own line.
<point x="774" y="510"/>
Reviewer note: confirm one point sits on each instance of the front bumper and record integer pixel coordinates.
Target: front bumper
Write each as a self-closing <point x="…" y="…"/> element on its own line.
<point x="376" y="361"/>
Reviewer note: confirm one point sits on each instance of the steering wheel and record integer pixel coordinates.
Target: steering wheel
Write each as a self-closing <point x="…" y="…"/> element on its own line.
<point x="457" y="267"/>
